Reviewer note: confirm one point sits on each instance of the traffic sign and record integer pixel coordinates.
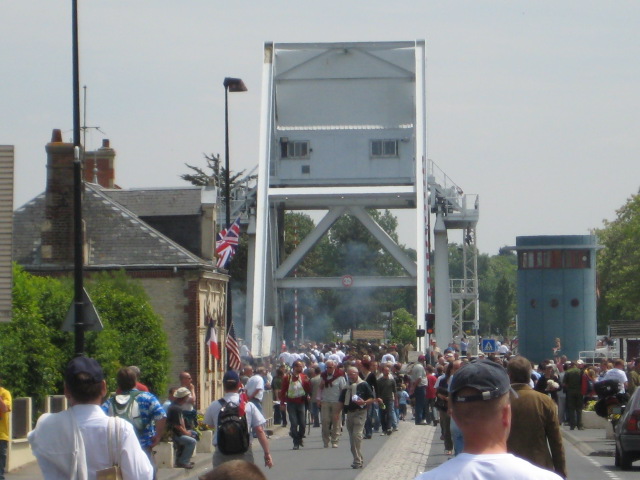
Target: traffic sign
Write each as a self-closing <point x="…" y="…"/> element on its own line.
<point x="488" y="345"/>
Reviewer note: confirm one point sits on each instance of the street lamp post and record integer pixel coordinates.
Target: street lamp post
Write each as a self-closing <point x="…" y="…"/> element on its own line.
<point x="230" y="85"/>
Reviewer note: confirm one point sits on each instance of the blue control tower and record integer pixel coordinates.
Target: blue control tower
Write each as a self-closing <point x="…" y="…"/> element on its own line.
<point x="556" y="295"/>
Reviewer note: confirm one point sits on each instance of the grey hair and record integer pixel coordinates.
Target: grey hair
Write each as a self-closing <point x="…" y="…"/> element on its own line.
<point x="353" y="369"/>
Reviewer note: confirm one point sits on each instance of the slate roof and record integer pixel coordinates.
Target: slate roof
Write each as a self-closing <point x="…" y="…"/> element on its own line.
<point x="151" y="202"/>
<point x="116" y="237"/>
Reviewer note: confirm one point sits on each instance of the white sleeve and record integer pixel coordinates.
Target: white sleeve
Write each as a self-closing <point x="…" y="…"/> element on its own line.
<point x="257" y="419"/>
<point x="133" y="461"/>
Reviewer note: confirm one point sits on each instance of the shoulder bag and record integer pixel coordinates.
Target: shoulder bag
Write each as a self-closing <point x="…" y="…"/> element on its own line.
<point x="113" y="472"/>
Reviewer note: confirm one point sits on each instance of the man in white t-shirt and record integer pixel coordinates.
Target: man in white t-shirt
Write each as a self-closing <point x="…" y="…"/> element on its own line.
<point x="480" y="405"/>
<point x="617" y="373"/>
<point x="254" y="387"/>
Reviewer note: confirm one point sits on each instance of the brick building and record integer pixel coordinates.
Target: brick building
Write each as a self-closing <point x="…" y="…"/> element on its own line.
<point x="162" y="237"/>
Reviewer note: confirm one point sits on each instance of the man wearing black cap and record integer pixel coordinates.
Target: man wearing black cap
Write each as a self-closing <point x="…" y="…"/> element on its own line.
<point x="255" y="420"/>
<point x="480" y="404"/>
<point x="75" y="443"/>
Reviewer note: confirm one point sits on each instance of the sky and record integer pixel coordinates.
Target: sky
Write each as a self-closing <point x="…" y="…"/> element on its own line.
<point x="533" y="105"/>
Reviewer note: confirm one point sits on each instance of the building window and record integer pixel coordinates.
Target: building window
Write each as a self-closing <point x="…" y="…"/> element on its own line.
<point x="553" y="259"/>
<point x="294" y="148"/>
<point x="576" y="259"/>
<point x="384" y="148"/>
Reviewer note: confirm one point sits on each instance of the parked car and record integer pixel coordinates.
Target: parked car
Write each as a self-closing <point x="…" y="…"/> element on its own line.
<point x="627" y="433"/>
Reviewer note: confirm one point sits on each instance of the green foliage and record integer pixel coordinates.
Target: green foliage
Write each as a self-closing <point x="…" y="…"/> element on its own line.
<point x="35" y="350"/>
<point x="619" y="265"/>
<point x="403" y="327"/>
<point x="504" y="303"/>
<point x="30" y="363"/>
<point x="133" y="333"/>
<point x="496" y="285"/>
<point x="213" y="175"/>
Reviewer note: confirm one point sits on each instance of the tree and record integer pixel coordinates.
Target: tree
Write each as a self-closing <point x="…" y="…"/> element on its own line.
<point x="31" y="364"/>
<point x="216" y="175"/>
<point x="133" y="333"/>
<point x="494" y="274"/>
<point x="619" y="265"/>
<point x="35" y="351"/>
<point x="403" y="327"/>
<point x="503" y="302"/>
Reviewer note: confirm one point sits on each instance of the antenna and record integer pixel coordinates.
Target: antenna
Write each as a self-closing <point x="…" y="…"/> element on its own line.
<point x="84" y="129"/>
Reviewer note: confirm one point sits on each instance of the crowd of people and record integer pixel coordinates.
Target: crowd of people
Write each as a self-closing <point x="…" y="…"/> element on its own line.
<point x="353" y="390"/>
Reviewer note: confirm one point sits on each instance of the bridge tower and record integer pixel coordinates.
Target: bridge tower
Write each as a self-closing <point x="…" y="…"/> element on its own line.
<point x="342" y="131"/>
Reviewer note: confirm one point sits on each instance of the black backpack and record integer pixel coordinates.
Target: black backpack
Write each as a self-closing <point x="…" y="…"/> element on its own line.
<point x="233" y="430"/>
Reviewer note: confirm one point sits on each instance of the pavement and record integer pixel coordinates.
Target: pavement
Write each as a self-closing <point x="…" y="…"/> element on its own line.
<point x="591" y="442"/>
<point x="403" y="456"/>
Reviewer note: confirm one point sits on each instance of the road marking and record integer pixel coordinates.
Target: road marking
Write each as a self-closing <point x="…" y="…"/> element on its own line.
<point x="604" y="468"/>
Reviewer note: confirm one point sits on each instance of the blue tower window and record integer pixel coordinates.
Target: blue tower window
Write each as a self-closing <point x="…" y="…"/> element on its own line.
<point x="553" y="259"/>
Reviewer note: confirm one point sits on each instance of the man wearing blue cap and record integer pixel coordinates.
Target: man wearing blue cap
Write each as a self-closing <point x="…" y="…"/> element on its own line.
<point x="75" y="443"/>
<point x="480" y="404"/>
<point x="254" y="421"/>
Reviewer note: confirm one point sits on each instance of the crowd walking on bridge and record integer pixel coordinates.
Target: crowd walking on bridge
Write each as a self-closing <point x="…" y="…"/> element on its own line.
<point x="497" y="416"/>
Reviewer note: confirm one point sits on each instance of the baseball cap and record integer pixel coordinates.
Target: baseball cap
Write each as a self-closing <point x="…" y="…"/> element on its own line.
<point x="486" y="376"/>
<point x="231" y="376"/>
<point x="182" y="392"/>
<point x="579" y="362"/>
<point x="421" y="358"/>
<point x="87" y="365"/>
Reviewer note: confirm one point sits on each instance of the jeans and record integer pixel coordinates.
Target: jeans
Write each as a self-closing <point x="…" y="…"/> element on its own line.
<point x="402" y="410"/>
<point x="373" y="420"/>
<point x="456" y="436"/>
<point x="421" y="403"/>
<point x="296" y="419"/>
<point x="315" y="414"/>
<point x="279" y="416"/>
<point x="445" y="425"/>
<point x="3" y="457"/>
<point x="188" y="445"/>
<point x="385" y="418"/>
<point x="431" y="411"/>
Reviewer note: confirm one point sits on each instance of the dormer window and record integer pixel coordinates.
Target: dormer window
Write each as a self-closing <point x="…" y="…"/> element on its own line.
<point x="384" y="148"/>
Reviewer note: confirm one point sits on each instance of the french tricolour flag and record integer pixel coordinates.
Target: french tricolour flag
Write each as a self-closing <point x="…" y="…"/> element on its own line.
<point x="212" y="340"/>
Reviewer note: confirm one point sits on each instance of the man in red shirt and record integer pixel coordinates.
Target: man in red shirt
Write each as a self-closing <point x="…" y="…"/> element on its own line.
<point x="432" y="415"/>
<point x="295" y="393"/>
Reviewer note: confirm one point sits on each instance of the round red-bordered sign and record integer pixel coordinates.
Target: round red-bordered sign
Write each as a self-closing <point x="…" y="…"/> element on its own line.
<point x="347" y="281"/>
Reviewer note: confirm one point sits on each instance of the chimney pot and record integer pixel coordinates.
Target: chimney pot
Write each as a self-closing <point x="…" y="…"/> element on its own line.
<point x="105" y="143"/>
<point x="56" y="136"/>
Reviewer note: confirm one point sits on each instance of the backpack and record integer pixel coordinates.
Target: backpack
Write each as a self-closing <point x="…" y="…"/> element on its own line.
<point x="606" y="388"/>
<point x="129" y="410"/>
<point x="233" y="429"/>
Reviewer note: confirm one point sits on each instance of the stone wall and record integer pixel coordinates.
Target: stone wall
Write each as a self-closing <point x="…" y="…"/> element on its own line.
<point x="168" y="299"/>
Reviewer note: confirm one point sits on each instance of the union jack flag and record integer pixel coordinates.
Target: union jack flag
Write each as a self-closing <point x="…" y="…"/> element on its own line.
<point x="227" y="243"/>
<point x="233" y="352"/>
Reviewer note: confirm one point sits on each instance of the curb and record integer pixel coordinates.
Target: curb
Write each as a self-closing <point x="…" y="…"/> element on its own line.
<point x="579" y="444"/>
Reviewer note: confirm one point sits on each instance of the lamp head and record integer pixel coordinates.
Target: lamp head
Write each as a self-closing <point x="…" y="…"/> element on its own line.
<point x="234" y="84"/>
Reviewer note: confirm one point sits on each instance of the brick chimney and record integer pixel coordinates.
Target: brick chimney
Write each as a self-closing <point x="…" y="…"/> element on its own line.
<point x="102" y="158"/>
<point x="57" y="229"/>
